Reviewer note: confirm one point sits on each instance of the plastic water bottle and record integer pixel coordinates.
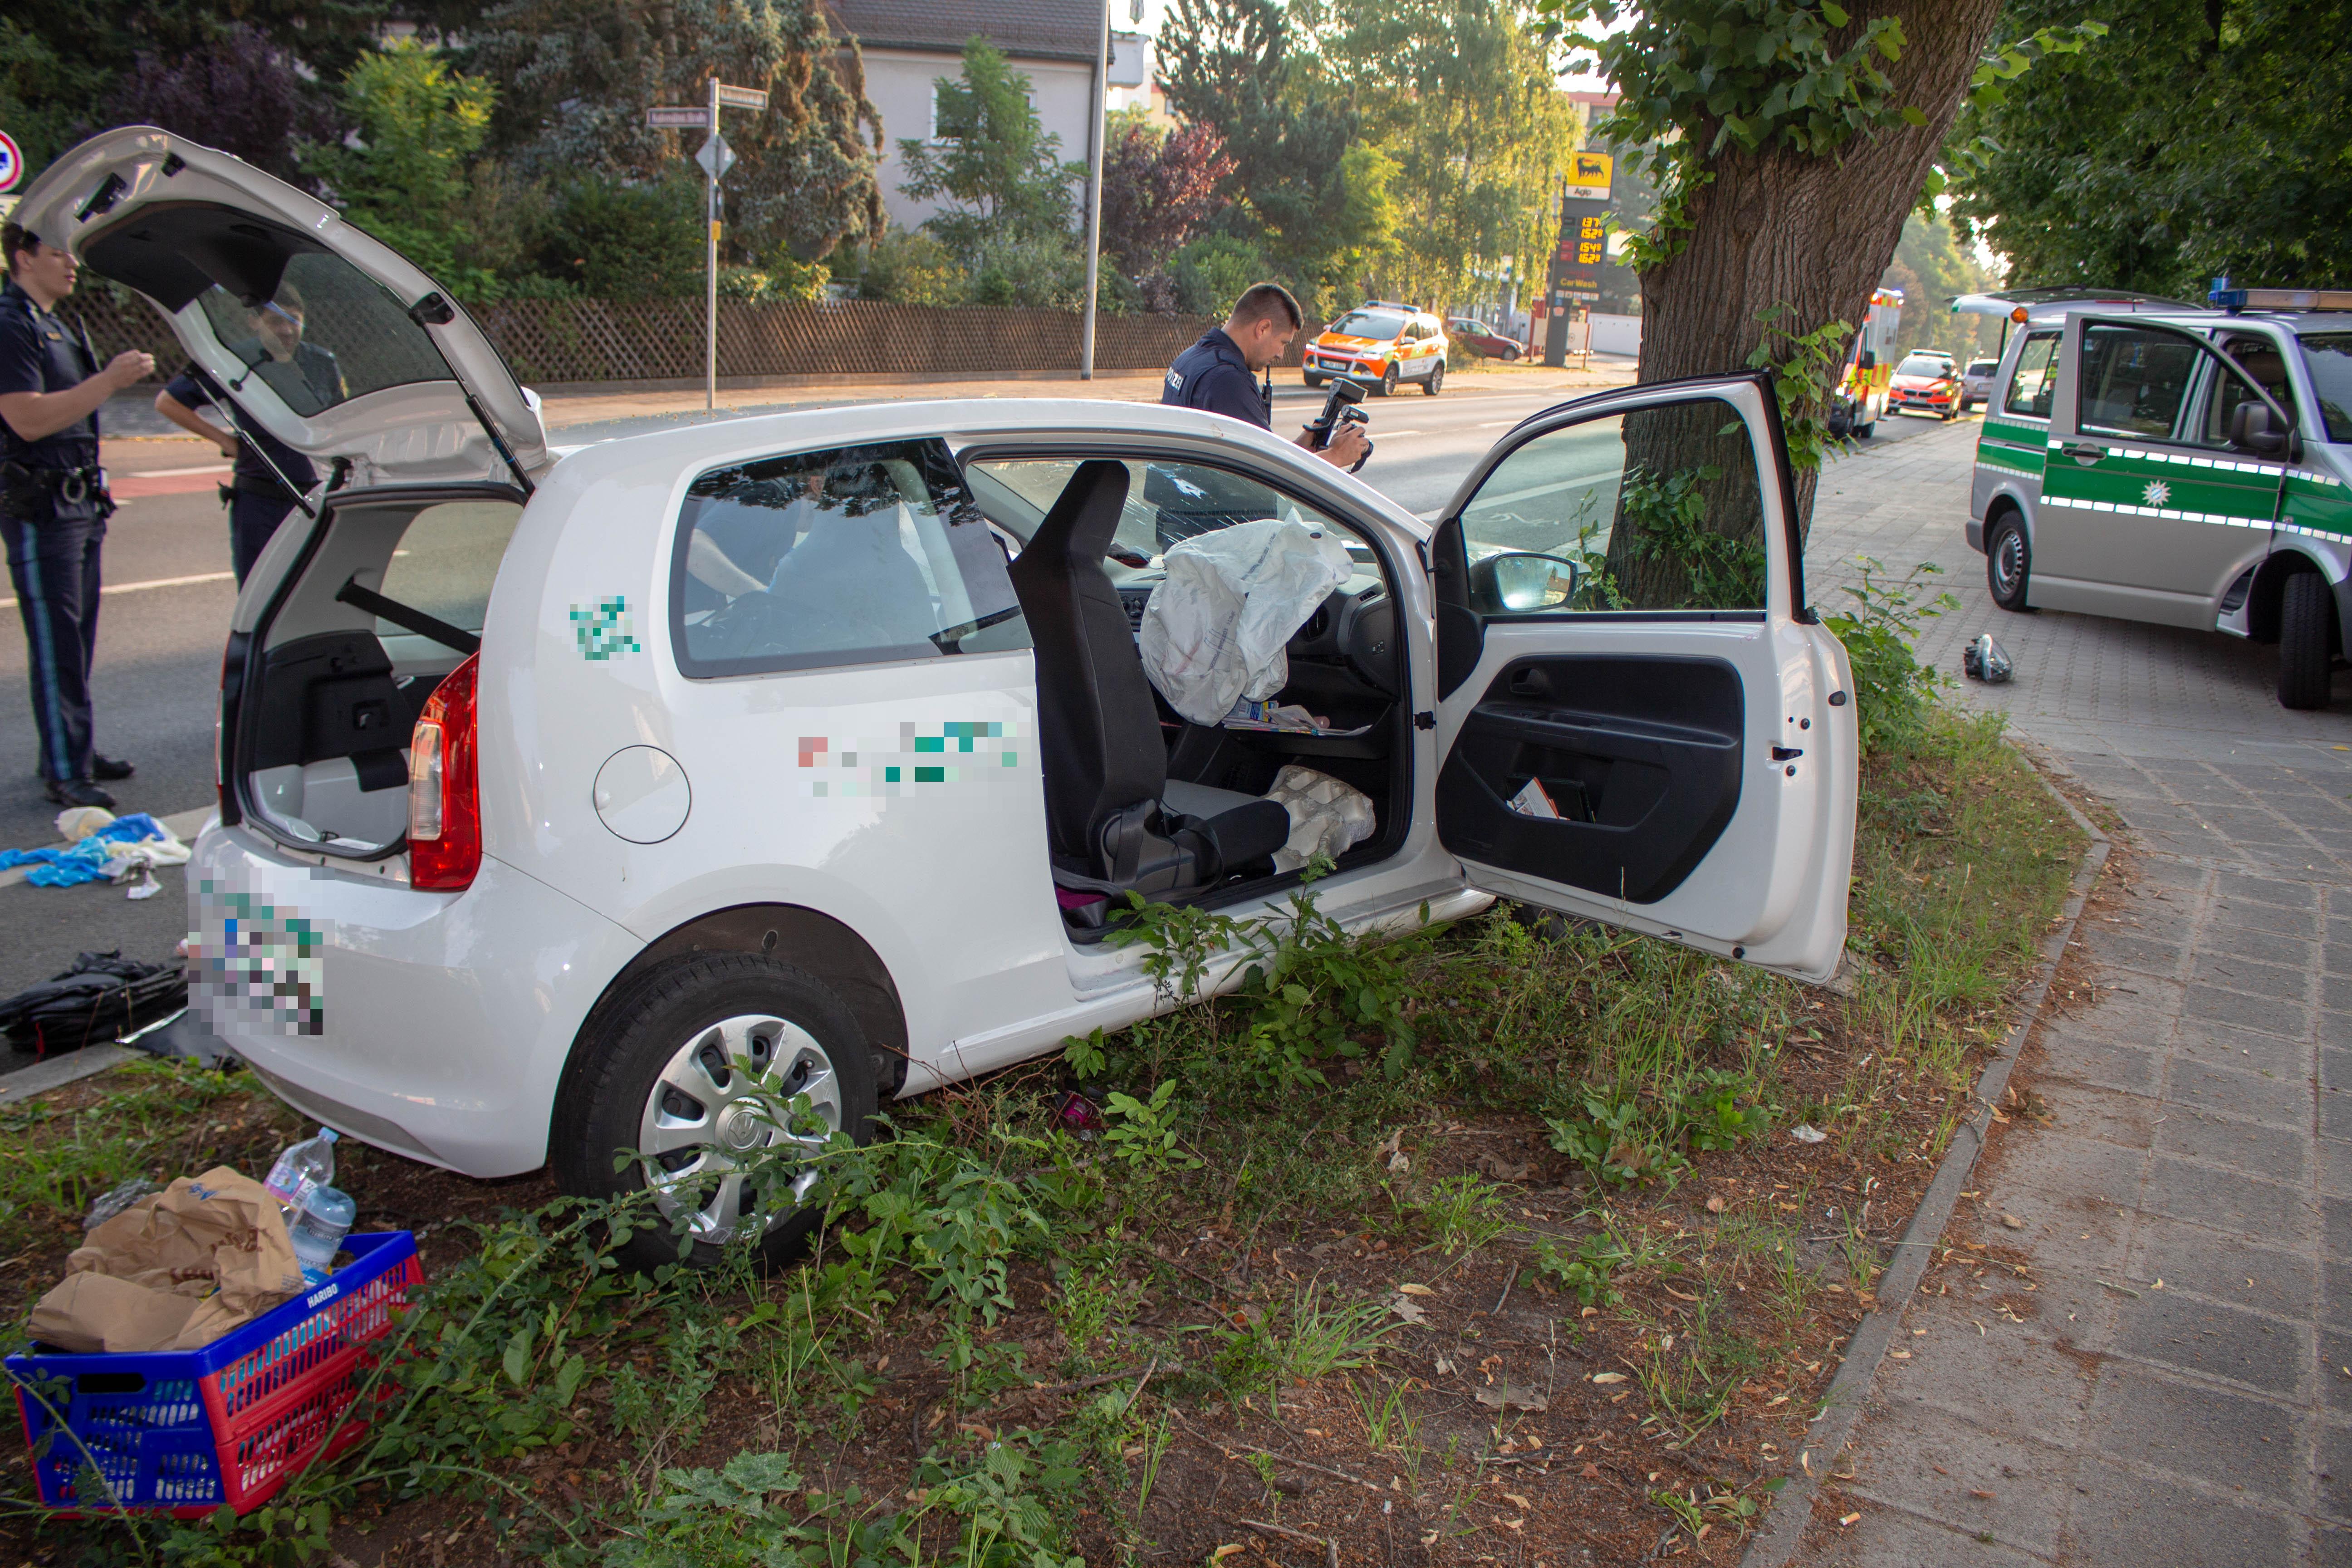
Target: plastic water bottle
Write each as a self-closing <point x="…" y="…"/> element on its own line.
<point x="319" y="1229"/>
<point x="304" y="1166"/>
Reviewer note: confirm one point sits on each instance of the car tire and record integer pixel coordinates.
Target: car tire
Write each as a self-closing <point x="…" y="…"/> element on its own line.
<point x="1436" y="381"/>
<point x="1387" y="384"/>
<point x="2307" y="642"/>
<point x="2008" y="563"/>
<point x="1511" y="356"/>
<point x="679" y="1046"/>
<point x="1864" y="432"/>
<point x="1315" y="380"/>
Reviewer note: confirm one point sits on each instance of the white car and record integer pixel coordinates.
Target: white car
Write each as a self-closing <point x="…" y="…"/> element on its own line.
<point x="564" y="797"/>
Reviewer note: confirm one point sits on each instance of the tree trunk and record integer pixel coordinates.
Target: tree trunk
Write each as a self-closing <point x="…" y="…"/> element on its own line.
<point x="1813" y="233"/>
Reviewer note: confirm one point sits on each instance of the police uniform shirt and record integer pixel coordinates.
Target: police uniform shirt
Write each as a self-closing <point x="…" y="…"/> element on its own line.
<point x="1212" y="375"/>
<point x="39" y="353"/>
<point x="313" y="380"/>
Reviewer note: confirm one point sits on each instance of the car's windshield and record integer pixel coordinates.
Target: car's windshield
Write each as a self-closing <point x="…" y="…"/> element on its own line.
<point x="2329" y="357"/>
<point x="1924" y="364"/>
<point x="1370" y="324"/>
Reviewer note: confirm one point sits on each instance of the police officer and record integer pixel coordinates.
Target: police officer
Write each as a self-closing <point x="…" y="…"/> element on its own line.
<point x="1220" y="373"/>
<point x="268" y="474"/>
<point x="54" y="505"/>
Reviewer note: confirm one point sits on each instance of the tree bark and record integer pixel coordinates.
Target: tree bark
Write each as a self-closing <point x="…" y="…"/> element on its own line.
<point x="1812" y="233"/>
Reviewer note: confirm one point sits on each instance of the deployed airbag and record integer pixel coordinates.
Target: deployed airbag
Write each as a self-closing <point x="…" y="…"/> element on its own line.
<point x="1214" y="632"/>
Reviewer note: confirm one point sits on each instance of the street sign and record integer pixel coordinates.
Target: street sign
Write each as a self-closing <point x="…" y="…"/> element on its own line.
<point x="716" y="157"/>
<point x="12" y="162"/>
<point x="696" y="119"/>
<point x="742" y="97"/>
<point x="1587" y="176"/>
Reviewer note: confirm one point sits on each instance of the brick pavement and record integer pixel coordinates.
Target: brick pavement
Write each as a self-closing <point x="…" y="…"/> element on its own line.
<point x="2200" y="1134"/>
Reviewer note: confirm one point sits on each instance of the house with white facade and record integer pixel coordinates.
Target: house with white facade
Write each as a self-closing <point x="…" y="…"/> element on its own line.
<point x="910" y="44"/>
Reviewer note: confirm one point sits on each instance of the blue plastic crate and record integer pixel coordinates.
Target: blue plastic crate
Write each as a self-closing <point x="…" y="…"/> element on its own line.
<point x="230" y="1422"/>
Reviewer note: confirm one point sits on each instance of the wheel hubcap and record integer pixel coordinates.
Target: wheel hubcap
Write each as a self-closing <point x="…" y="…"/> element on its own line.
<point x="2008" y="560"/>
<point x="707" y="1114"/>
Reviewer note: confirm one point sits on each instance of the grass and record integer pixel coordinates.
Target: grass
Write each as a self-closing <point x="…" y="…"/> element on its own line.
<point x="1014" y="1347"/>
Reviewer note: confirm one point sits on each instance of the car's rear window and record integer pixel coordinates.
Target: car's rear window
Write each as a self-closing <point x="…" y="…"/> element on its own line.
<point x="2329" y="357"/>
<point x="857" y="555"/>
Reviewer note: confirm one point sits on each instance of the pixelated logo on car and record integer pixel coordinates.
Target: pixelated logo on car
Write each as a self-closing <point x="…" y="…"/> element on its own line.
<point x="601" y="629"/>
<point x="255" y="965"/>
<point x="922" y="760"/>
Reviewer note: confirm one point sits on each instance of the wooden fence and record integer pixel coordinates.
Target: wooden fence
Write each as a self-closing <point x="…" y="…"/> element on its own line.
<point x="557" y="341"/>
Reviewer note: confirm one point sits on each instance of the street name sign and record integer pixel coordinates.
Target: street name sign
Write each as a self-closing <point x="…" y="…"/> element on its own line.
<point x="694" y="119"/>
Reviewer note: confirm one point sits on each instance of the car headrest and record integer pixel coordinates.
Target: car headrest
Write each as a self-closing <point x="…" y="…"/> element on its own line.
<point x="1080" y="527"/>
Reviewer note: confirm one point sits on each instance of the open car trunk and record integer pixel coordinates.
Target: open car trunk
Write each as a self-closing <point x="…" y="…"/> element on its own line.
<point x="386" y="598"/>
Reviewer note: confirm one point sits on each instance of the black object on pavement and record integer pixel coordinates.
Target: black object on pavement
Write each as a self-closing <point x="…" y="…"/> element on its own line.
<point x="1986" y="660"/>
<point x="102" y="998"/>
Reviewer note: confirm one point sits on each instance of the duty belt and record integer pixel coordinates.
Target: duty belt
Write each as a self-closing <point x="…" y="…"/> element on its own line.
<point x="70" y="485"/>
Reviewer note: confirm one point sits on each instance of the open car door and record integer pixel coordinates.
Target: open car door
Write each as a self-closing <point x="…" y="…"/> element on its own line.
<point x="1641" y="721"/>
<point x="328" y="339"/>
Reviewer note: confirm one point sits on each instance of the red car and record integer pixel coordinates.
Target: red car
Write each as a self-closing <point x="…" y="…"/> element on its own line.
<point x="1483" y="339"/>
<point x="1929" y="382"/>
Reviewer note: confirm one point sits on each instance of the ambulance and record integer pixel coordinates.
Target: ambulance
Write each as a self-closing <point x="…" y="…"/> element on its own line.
<point x="1862" y="394"/>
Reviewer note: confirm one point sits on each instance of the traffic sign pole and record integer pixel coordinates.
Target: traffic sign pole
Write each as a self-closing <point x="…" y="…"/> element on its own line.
<point x="710" y="338"/>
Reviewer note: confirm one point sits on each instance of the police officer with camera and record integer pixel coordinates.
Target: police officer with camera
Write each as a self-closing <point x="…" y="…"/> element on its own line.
<point x="1220" y="371"/>
<point x="54" y="504"/>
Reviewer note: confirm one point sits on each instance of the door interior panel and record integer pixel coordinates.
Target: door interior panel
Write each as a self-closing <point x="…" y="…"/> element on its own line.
<point x="1640" y="757"/>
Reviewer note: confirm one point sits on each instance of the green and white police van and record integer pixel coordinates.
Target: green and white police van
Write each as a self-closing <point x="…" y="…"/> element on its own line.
<point x="2150" y="460"/>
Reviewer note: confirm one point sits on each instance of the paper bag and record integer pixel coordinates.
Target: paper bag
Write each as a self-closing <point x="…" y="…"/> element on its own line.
<point x="174" y="1271"/>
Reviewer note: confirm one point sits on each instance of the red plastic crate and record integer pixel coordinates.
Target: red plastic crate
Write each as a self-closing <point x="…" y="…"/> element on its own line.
<point x="186" y="1431"/>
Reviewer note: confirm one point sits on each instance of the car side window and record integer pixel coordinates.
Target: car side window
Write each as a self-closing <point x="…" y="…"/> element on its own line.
<point x="2132" y="380"/>
<point x="2035" y="385"/>
<point x="852" y="556"/>
<point x="2262" y="362"/>
<point x="1656" y="509"/>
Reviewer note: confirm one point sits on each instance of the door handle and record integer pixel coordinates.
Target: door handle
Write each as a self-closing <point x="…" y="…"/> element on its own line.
<point x="2085" y="454"/>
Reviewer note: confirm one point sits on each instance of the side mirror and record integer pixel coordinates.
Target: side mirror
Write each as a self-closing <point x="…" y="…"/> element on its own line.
<point x="2251" y="429"/>
<point x="1521" y="583"/>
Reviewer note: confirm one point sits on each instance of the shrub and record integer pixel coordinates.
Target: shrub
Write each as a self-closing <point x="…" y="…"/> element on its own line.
<point x="1892" y="691"/>
<point x="628" y="242"/>
<point x="907" y="269"/>
<point x="1211" y="273"/>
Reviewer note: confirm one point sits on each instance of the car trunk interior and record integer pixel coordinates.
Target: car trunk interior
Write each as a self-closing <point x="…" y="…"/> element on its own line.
<point x="386" y="598"/>
<point x="1344" y="666"/>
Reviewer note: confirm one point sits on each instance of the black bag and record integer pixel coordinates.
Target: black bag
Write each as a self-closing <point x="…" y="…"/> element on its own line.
<point x="102" y="998"/>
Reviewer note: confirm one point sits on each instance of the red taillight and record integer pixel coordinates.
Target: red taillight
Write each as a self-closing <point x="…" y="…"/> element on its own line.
<point x="445" y="797"/>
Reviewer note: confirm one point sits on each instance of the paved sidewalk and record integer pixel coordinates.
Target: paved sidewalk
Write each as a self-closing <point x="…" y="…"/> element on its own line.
<point x="2154" y="1363"/>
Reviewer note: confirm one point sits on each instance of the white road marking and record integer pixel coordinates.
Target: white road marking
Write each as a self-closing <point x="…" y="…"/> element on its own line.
<point x="159" y="473"/>
<point x="151" y="583"/>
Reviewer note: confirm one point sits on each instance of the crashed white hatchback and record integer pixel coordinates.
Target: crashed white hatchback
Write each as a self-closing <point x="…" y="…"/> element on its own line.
<point x="566" y="803"/>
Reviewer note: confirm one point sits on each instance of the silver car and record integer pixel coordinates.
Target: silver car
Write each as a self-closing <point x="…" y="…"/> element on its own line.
<point x="1976" y="382"/>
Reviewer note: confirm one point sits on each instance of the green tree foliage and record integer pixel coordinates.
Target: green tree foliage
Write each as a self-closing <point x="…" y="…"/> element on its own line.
<point x="1306" y="186"/>
<point x="2195" y="139"/>
<point x="633" y="242"/>
<point x="912" y="270"/>
<point x="1008" y="209"/>
<point x="420" y="125"/>
<point x="578" y="77"/>
<point x="1932" y="268"/>
<point x="996" y="168"/>
<point x="1461" y="96"/>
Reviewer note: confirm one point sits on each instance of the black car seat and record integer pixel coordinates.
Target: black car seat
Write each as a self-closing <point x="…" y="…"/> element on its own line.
<point x="1109" y="819"/>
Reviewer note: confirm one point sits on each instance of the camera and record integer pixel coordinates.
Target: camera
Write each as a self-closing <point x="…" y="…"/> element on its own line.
<point x="1339" y="410"/>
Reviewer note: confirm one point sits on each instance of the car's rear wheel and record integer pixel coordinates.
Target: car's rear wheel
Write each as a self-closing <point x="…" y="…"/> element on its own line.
<point x="1511" y="354"/>
<point x="2307" y="642"/>
<point x="2008" y="563"/>
<point x="697" y="1068"/>
<point x="1436" y="378"/>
